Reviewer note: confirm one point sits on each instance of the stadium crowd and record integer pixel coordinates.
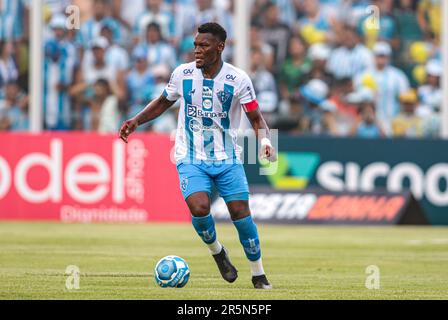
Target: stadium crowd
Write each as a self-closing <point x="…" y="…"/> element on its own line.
<point x="329" y="67"/>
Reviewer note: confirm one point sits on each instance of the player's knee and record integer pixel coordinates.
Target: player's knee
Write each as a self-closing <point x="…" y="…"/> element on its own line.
<point x="239" y="210"/>
<point x="200" y="209"/>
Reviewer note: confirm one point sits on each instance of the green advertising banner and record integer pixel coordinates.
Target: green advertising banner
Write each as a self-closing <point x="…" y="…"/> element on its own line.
<point x="362" y="165"/>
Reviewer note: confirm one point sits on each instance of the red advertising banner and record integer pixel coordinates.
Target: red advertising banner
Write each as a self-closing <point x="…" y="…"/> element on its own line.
<point x="86" y="177"/>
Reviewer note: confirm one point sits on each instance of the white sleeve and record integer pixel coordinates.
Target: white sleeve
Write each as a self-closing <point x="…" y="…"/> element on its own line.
<point x="246" y="92"/>
<point x="171" y="91"/>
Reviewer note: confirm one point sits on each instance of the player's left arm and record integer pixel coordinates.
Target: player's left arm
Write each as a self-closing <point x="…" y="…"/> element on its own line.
<point x="262" y="133"/>
<point x="248" y="101"/>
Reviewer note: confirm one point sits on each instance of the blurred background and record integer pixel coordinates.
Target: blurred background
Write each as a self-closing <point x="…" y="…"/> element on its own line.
<point x="354" y="88"/>
<point x="330" y="67"/>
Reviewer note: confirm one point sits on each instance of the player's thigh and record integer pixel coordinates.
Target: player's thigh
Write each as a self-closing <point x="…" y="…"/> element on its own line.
<point x="194" y="180"/>
<point x="231" y="183"/>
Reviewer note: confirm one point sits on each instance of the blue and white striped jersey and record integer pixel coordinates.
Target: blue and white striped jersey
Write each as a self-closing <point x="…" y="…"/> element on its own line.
<point x="11" y="22"/>
<point x="210" y="111"/>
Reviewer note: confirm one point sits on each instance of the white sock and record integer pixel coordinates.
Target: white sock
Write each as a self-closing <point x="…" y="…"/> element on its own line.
<point x="214" y="247"/>
<point x="256" y="267"/>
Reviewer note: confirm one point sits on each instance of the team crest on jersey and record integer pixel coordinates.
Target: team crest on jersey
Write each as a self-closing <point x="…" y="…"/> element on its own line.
<point x="223" y="96"/>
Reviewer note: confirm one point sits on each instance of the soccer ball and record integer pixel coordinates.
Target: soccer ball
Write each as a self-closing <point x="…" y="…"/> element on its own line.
<point x="172" y="271"/>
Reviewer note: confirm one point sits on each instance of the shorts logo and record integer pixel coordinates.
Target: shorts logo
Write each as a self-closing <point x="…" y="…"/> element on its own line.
<point x="184" y="184"/>
<point x="230" y="77"/>
<point x="188" y="72"/>
<point x="207" y="93"/>
<point x="223" y="96"/>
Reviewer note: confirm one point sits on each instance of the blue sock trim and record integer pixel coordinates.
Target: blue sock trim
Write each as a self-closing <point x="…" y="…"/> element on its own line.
<point x="247" y="231"/>
<point x="205" y="228"/>
<point x="237" y="196"/>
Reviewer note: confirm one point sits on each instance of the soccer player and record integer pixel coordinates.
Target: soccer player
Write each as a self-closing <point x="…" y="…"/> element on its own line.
<point x="212" y="95"/>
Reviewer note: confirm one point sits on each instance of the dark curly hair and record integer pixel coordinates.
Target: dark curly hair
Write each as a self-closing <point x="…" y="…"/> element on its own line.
<point x="215" y="29"/>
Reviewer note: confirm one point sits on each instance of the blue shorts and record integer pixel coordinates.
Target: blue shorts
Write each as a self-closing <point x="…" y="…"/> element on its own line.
<point x="229" y="179"/>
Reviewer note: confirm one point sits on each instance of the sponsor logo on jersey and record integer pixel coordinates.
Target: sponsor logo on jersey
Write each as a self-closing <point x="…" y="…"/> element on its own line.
<point x="207" y="93"/>
<point x="194" y="111"/>
<point x="230" y="77"/>
<point x="196" y="126"/>
<point x="188" y="72"/>
<point x="207" y="104"/>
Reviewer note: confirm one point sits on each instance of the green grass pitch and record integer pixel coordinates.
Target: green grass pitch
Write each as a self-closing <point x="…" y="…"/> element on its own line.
<point x="302" y="262"/>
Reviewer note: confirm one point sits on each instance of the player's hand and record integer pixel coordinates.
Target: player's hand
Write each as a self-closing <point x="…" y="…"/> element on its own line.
<point x="127" y="128"/>
<point x="268" y="151"/>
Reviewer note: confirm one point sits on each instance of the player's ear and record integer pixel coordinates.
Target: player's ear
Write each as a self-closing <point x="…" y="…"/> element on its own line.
<point x="221" y="46"/>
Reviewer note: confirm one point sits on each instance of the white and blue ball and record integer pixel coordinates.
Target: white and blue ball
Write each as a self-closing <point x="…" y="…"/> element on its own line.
<point x="172" y="271"/>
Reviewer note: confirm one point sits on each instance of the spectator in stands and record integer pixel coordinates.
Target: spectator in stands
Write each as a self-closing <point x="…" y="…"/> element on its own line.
<point x="264" y="86"/>
<point x="390" y="83"/>
<point x="59" y="31"/>
<point x="347" y="113"/>
<point x="13" y="108"/>
<point x="59" y="68"/>
<point x="407" y="123"/>
<point x="128" y="11"/>
<point x="328" y="125"/>
<point x="319" y="54"/>
<point x="116" y="55"/>
<point x="314" y="16"/>
<point x="166" y="123"/>
<point x="91" y="29"/>
<point x="13" y="20"/>
<point x="352" y="11"/>
<point x="296" y="122"/>
<point x="276" y="34"/>
<point x="8" y="67"/>
<point x="430" y="17"/>
<point x="430" y="97"/>
<point x="367" y="125"/>
<point x="205" y="12"/>
<point x="313" y="94"/>
<point x="90" y="73"/>
<point x="186" y="50"/>
<point x="351" y="58"/>
<point x="156" y="13"/>
<point x="257" y="43"/>
<point x="407" y="27"/>
<point x="430" y="94"/>
<point x="104" y="112"/>
<point x="295" y="68"/>
<point x="140" y="83"/>
<point x="382" y="27"/>
<point x="98" y="68"/>
<point x="158" y="51"/>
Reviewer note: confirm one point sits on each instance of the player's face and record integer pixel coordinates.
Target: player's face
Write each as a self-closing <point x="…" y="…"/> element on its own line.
<point x="207" y="50"/>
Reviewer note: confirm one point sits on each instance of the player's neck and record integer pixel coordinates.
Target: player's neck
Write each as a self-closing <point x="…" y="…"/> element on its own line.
<point x="211" y="71"/>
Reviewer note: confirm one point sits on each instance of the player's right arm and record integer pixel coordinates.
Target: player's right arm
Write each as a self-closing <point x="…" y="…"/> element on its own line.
<point x="154" y="109"/>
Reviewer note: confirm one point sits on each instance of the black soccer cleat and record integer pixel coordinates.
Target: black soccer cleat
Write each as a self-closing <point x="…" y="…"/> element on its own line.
<point x="227" y="269"/>
<point x="261" y="282"/>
